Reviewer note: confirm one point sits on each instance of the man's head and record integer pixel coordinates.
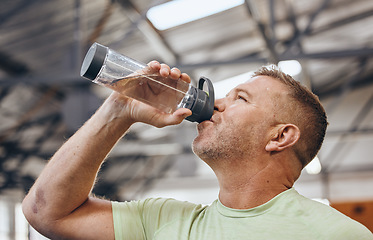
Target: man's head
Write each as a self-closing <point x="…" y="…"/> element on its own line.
<point x="252" y="114"/>
<point x="303" y="109"/>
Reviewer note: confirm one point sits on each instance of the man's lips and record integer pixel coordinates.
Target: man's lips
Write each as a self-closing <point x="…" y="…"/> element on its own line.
<point x="204" y="123"/>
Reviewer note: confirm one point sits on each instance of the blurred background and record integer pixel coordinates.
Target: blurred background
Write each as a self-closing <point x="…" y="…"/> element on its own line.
<point x="325" y="44"/>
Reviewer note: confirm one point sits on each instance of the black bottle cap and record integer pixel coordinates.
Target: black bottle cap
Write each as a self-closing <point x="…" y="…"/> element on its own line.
<point x="93" y="61"/>
<point x="203" y="107"/>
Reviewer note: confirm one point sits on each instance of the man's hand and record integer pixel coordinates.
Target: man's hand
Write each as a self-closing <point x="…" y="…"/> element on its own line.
<point x="135" y="111"/>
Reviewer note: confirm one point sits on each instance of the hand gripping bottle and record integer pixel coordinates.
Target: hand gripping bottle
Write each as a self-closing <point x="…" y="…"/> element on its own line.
<point x="119" y="73"/>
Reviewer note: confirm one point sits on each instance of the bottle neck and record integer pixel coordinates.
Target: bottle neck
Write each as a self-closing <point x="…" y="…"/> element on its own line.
<point x="189" y="98"/>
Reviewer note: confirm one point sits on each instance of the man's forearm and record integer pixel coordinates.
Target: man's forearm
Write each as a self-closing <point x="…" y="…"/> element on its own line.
<point x="67" y="180"/>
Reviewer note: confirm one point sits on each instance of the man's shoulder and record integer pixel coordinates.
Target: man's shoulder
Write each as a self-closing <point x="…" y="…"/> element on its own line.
<point x="327" y="220"/>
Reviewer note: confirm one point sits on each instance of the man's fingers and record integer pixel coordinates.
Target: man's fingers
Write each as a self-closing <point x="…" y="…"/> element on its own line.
<point x="183" y="112"/>
<point x="154" y="66"/>
<point x="185" y="77"/>
<point x="172" y="119"/>
<point x="175" y="73"/>
<point x="165" y="70"/>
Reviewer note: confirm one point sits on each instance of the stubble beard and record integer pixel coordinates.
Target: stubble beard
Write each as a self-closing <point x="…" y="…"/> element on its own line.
<point x="220" y="148"/>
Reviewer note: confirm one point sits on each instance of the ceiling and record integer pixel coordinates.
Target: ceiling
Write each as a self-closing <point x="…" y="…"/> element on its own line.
<point x="44" y="100"/>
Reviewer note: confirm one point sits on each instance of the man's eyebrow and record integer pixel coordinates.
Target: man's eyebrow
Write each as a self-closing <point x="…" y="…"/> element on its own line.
<point x="239" y="89"/>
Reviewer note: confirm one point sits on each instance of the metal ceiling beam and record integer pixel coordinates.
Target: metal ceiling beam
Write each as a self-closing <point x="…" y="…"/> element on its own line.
<point x="362" y="52"/>
<point x="254" y="13"/>
<point x="307" y="78"/>
<point x="16" y="10"/>
<point x="60" y="79"/>
<point x="346" y="84"/>
<point x="8" y="64"/>
<point x="63" y="79"/>
<point x="348" y="53"/>
<point x="308" y="28"/>
<point x="97" y="31"/>
<point x="354" y="169"/>
<point x="293" y="21"/>
<point x="11" y="66"/>
<point x="272" y="22"/>
<point x="342" y="22"/>
<point x="151" y="34"/>
<point x="333" y="155"/>
<point x="77" y="49"/>
<point x="364" y="81"/>
<point x="350" y="132"/>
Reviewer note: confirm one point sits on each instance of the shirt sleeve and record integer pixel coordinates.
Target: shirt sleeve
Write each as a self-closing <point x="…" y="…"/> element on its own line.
<point x="352" y="230"/>
<point x="141" y="219"/>
<point x="339" y="226"/>
<point x="127" y="221"/>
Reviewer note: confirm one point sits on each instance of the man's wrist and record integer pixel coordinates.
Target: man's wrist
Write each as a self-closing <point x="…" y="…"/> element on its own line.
<point x="113" y="115"/>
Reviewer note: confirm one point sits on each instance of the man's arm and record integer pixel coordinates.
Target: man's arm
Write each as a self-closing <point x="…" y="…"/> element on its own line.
<point x="59" y="204"/>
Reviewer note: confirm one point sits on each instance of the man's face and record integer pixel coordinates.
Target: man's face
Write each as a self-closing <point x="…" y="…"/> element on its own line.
<point x="241" y="123"/>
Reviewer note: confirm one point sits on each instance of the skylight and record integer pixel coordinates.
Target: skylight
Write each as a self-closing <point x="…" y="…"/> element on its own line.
<point x="224" y="86"/>
<point x="291" y="67"/>
<point x="178" y="12"/>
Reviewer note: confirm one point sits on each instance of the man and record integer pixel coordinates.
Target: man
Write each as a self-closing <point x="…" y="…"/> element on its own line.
<point x="258" y="140"/>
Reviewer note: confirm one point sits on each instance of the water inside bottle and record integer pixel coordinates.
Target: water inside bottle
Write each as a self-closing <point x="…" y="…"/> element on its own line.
<point x="160" y="92"/>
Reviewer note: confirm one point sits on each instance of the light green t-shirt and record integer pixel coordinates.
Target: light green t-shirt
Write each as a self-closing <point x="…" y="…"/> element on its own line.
<point x="287" y="216"/>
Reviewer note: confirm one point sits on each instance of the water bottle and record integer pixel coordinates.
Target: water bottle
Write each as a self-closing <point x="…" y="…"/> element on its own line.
<point x="108" y="68"/>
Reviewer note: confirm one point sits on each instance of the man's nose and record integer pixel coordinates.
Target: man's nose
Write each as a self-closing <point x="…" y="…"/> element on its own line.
<point x="219" y="105"/>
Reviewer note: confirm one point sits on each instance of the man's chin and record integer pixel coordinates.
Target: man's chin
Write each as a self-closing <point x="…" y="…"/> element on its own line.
<point x="199" y="147"/>
<point x="196" y="146"/>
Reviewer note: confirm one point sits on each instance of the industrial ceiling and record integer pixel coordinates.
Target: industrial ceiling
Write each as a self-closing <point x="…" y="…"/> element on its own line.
<point x="44" y="100"/>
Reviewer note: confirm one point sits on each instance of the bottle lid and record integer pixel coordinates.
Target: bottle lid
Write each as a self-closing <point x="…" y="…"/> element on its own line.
<point x="203" y="106"/>
<point x="93" y="61"/>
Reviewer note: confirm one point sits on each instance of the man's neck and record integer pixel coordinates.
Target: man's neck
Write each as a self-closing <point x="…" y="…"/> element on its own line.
<point x="248" y="190"/>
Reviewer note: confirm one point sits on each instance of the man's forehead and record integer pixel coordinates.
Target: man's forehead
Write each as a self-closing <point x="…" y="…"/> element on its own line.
<point x="266" y="82"/>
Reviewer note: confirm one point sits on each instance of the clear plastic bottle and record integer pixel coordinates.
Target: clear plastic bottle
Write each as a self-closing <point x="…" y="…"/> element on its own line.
<point x="108" y="68"/>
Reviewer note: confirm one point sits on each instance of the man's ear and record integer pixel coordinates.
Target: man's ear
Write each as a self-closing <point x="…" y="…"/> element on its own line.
<point x="285" y="135"/>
